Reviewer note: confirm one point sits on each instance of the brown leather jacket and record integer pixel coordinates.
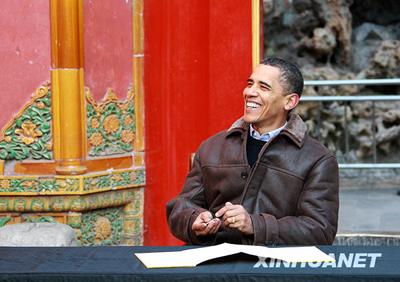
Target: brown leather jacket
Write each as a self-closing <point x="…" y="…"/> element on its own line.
<point x="291" y="193"/>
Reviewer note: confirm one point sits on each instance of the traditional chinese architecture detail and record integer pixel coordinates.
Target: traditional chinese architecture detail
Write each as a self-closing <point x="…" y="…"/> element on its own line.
<point x="13" y="217"/>
<point x="101" y="218"/>
<point x="116" y="179"/>
<point x="103" y="208"/>
<point x="73" y="203"/>
<point x="34" y="218"/>
<point x="28" y="134"/>
<point x="4" y="220"/>
<point x="102" y="227"/>
<point x="74" y="220"/>
<point x="133" y="220"/>
<point x="110" y="124"/>
<point x="70" y="159"/>
<point x="38" y="184"/>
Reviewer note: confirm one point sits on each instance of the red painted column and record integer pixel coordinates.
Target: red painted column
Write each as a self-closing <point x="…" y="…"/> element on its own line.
<point x="197" y="60"/>
<point x="229" y="61"/>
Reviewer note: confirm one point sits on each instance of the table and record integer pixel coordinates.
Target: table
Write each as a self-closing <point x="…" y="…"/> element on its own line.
<point x="353" y="263"/>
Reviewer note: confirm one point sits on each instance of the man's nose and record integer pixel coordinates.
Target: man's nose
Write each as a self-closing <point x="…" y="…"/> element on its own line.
<point x="251" y="91"/>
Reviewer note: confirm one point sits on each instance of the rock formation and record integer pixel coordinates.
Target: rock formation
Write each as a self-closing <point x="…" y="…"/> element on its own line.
<point x="343" y="39"/>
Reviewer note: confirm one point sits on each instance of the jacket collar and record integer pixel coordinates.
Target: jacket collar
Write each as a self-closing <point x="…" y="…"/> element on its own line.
<point x="295" y="129"/>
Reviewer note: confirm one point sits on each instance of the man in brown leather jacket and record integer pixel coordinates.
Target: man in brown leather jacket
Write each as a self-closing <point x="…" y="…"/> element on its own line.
<point x="264" y="180"/>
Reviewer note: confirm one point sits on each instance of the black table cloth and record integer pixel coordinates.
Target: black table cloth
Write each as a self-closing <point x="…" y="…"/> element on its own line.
<point x="353" y="263"/>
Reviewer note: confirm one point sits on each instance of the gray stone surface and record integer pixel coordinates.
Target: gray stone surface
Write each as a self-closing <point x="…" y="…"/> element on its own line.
<point x="37" y="234"/>
<point x="369" y="211"/>
<point x="369" y="217"/>
<point x="364" y="180"/>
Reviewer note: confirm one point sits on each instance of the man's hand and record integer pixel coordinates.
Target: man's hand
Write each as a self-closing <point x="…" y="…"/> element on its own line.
<point x="236" y="217"/>
<point x="205" y="224"/>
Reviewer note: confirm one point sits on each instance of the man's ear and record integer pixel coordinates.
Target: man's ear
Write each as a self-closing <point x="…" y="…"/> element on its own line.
<point x="291" y="101"/>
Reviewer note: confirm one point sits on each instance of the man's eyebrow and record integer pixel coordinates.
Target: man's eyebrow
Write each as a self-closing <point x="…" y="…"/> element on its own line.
<point x="250" y="80"/>
<point x="263" y="83"/>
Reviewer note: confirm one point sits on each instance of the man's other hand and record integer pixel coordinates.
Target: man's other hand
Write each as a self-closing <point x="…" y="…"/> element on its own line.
<point x="236" y="217"/>
<point x="205" y="224"/>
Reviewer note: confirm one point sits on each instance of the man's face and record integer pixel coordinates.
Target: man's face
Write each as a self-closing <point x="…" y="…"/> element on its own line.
<point x="265" y="103"/>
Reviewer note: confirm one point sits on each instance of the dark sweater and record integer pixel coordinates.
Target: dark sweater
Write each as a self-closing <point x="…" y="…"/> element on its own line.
<point x="253" y="148"/>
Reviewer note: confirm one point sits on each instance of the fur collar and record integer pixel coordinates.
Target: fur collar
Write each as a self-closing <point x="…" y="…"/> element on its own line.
<point x="295" y="129"/>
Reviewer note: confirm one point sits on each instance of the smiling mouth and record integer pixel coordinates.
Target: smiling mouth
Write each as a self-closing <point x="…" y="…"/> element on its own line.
<point x="252" y="105"/>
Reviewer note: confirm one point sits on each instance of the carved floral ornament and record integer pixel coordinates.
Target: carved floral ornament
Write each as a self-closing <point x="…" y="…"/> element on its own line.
<point x="110" y="128"/>
<point x="28" y="134"/>
<point x="95" y="123"/>
<point x="111" y="124"/>
<point x="96" y="139"/>
<point x="102" y="228"/>
<point x="127" y="136"/>
<point x="128" y="120"/>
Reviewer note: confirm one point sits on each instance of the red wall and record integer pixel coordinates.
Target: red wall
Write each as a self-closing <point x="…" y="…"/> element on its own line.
<point x="108" y="46"/>
<point x="24" y="52"/>
<point x="197" y="61"/>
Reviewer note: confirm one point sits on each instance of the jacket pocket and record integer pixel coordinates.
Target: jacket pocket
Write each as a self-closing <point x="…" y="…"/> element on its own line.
<point x="275" y="191"/>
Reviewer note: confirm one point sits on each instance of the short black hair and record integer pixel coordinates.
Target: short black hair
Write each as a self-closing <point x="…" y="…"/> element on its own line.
<point x="291" y="76"/>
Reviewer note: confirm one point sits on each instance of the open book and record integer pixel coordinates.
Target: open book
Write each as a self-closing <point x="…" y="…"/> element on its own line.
<point x="193" y="257"/>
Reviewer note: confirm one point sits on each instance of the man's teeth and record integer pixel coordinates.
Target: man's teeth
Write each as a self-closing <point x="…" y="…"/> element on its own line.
<point x="252" y="105"/>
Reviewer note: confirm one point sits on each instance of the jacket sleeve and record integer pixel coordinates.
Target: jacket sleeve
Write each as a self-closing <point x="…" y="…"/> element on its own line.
<point x="317" y="211"/>
<point x="185" y="208"/>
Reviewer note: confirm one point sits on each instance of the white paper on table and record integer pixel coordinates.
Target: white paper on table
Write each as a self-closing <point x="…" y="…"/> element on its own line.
<point x="193" y="257"/>
<point x="289" y="254"/>
<point x="186" y="258"/>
